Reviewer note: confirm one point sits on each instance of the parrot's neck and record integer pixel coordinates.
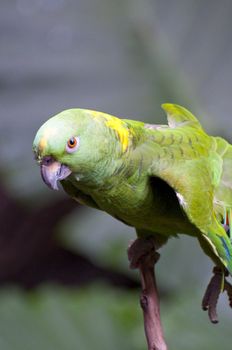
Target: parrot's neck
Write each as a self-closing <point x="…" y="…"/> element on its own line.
<point x="102" y="176"/>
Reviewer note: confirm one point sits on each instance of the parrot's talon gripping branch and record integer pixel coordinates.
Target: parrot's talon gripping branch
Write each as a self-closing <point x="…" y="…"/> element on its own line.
<point x="140" y="249"/>
<point x="142" y="255"/>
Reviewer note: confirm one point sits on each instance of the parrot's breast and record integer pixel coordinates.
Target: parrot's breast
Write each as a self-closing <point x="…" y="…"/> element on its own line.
<point x="144" y="207"/>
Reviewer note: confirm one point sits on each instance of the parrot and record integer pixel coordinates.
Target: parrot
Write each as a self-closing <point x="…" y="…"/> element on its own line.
<point x="163" y="180"/>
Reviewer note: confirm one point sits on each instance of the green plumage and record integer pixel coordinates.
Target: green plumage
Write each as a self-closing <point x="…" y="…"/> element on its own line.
<point x="160" y="179"/>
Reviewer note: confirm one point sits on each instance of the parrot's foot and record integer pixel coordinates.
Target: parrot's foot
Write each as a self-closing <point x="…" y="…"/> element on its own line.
<point x="228" y="289"/>
<point x="217" y="284"/>
<point x="142" y="251"/>
<point x="211" y="296"/>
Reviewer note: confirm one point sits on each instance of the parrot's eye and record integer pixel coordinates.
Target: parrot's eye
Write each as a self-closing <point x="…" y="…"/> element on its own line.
<point x="72" y="144"/>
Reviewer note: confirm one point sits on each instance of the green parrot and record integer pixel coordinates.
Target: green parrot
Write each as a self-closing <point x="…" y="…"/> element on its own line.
<point x="160" y="179"/>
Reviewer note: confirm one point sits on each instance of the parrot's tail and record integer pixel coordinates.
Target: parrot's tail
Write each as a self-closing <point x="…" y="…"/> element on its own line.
<point x="227" y="222"/>
<point x="221" y="245"/>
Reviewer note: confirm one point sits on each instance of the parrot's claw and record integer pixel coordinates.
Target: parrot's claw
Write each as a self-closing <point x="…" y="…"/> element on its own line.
<point x="212" y="293"/>
<point x="228" y="289"/>
<point x="142" y="250"/>
<point x="217" y="284"/>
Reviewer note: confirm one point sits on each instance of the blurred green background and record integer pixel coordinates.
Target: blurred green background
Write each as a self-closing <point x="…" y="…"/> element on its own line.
<point x="65" y="280"/>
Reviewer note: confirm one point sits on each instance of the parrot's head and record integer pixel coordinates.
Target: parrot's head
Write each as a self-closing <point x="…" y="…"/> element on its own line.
<point x="75" y="141"/>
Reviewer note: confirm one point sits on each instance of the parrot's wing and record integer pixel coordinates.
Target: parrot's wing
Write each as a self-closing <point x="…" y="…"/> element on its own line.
<point x="194" y="181"/>
<point x="223" y="193"/>
<point x="178" y="116"/>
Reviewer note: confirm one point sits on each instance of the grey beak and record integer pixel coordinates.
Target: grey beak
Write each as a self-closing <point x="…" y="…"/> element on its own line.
<point x="53" y="171"/>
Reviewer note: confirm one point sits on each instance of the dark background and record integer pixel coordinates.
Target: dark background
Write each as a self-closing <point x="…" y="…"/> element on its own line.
<point x="65" y="281"/>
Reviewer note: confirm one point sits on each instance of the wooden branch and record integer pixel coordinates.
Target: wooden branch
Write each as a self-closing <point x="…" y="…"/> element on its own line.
<point x="149" y="299"/>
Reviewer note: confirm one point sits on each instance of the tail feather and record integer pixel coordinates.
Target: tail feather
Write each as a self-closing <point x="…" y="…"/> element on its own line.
<point x="221" y="245"/>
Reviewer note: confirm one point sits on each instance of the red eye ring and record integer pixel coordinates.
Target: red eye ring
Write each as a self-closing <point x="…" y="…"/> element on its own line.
<point x="72" y="142"/>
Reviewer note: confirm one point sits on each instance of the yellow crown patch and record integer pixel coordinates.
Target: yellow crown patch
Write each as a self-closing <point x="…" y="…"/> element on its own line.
<point x="117" y="125"/>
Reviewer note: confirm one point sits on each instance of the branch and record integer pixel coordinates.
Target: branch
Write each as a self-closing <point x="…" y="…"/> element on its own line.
<point x="149" y="299"/>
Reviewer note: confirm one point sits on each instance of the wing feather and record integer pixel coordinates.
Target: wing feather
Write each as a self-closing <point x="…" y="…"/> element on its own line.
<point x="201" y="180"/>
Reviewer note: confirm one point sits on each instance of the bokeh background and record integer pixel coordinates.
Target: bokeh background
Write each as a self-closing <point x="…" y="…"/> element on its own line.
<point x="65" y="281"/>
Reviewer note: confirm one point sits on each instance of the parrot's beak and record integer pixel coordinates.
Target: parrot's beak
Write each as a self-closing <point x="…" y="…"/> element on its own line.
<point x="53" y="171"/>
